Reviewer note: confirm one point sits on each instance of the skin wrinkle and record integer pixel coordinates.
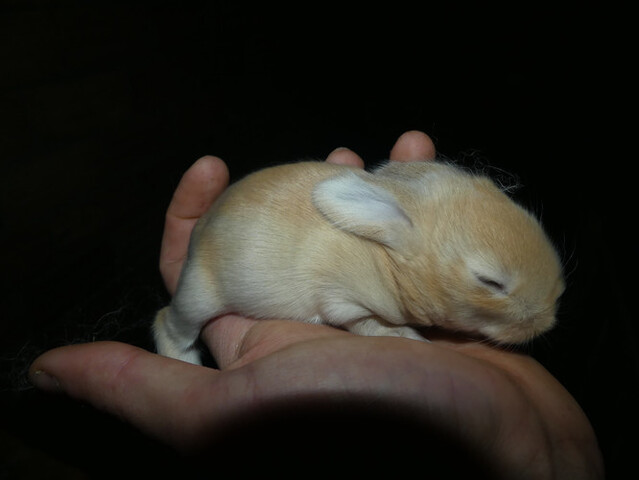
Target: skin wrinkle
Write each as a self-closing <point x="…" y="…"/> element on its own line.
<point x="459" y="390"/>
<point x="534" y="459"/>
<point x="115" y="383"/>
<point x="531" y="461"/>
<point x="120" y="380"/>
<point x="487" y="443"/>
<point x="130" y="374"/>
<point x="235" y="394"/>
<point x="258" y="342"/>
<point x="225" y="327"/>
<point x="577" y="439"/>
<point x="554" y="429"/>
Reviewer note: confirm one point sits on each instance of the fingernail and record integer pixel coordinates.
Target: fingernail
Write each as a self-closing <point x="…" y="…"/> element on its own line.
<point x="43" y="381"/>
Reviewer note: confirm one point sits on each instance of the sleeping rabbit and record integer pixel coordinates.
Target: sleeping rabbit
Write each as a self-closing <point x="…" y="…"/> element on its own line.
<point x="408" y="245"/>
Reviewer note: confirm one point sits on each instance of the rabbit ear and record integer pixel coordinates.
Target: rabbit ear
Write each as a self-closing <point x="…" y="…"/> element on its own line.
<point x="354" y="205"/>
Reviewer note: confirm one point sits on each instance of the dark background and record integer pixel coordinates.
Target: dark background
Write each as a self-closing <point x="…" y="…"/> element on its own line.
<point x="103" y="105"/>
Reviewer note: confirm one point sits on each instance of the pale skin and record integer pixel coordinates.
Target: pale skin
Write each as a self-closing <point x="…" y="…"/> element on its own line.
<point x="508" y="406"/>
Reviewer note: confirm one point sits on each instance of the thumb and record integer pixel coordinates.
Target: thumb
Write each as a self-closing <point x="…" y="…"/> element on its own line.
<point x="147" y="390"/>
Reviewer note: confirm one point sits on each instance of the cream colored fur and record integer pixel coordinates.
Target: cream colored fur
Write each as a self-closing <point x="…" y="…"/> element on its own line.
<point x="410" y="244"/>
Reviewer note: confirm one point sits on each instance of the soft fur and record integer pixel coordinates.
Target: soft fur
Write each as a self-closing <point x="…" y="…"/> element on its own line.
<point x="420" y="243"/>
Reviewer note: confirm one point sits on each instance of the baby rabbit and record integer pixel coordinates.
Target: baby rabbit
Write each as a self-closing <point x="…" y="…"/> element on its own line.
<point x="410" y="244"/>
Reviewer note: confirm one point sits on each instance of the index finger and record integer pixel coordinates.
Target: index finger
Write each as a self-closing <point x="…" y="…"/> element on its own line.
<point x="199" y="187"/>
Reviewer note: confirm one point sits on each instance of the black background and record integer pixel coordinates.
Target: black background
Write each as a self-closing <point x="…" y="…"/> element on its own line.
<point x="103" y="105"/>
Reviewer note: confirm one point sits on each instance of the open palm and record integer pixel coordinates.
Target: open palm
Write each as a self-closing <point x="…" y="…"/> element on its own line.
<point x="503" y="405"/>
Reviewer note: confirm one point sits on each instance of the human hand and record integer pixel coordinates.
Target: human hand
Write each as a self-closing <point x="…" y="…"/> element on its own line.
<point x="502" y="404"/>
